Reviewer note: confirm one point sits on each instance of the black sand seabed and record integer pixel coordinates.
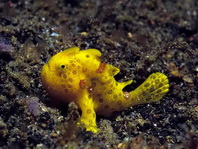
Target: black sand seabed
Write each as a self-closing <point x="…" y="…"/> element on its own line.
<point x="138" y="36"/>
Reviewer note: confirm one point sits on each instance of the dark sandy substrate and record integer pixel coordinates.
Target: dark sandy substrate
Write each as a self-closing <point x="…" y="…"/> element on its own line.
<point x="138" y="36"/>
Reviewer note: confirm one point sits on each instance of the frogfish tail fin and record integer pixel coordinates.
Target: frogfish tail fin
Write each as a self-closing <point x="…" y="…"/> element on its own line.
<point x="151" y="90"/>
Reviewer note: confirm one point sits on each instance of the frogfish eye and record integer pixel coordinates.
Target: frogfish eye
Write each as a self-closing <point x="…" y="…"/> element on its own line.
<point x="62" y="66"/>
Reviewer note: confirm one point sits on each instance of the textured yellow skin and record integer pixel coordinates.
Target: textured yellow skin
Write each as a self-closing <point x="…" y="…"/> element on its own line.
<point x="79" y="76"/>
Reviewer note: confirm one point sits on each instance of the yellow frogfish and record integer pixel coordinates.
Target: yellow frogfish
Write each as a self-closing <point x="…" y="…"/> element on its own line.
<point x="79" y="76"/>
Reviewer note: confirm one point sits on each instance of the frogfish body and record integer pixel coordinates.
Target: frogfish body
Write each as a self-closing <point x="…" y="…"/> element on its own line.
<point x="79" y="76"/>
